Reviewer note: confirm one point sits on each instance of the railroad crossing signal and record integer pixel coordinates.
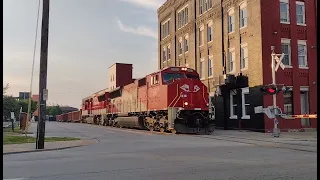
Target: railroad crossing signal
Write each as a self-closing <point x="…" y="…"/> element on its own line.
<point x="269" y="89"/>
<point x="273" y="89"/>
<point x="279" y="62"/>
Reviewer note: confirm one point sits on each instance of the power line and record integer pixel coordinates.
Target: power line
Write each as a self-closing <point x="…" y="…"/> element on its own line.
<point x="33" y="60"/>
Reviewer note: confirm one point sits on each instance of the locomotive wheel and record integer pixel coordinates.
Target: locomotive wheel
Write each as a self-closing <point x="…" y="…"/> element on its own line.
<point x="162" y="130"/>
<point x="173" y="131"/>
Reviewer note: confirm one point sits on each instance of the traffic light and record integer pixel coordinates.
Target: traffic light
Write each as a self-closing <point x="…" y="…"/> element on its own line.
<point x="270" y="89"/>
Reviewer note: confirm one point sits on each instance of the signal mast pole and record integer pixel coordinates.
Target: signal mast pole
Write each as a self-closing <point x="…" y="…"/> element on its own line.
<point x="276" y="132"/>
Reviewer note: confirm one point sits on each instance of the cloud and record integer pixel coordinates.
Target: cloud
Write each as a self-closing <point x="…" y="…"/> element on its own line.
<point x="149" y="4"/>
<point x="140" y="30"/>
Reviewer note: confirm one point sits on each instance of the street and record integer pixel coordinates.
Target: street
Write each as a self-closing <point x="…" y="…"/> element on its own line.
<point x="124" y="154"/>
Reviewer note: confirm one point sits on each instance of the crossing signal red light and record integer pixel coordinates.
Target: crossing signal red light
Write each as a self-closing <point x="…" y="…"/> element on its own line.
<point x="271" y="90"/>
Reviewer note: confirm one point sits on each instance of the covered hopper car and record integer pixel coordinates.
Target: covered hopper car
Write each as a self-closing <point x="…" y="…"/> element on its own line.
<point x="173" y="99"/>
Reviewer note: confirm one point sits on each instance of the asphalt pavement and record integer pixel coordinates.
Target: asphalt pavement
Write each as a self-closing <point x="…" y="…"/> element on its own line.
<point x="122" y="154"/>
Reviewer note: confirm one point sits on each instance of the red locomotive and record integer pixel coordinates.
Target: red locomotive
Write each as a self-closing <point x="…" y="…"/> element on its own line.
<point x="173" y="99"/>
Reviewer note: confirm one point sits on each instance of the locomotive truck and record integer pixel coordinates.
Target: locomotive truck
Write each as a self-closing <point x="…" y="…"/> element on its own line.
<point x="172" y="100"/>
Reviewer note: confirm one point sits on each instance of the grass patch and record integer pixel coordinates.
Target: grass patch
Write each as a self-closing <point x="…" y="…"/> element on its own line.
<point x="23" y="139"/>
<point x="9" y="129"/>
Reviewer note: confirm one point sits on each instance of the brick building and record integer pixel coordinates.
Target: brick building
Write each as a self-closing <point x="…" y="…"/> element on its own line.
<point x="218" y="37"/>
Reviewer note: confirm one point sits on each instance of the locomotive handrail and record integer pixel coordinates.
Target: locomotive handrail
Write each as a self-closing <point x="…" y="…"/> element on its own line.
<point x="177" y="99"/>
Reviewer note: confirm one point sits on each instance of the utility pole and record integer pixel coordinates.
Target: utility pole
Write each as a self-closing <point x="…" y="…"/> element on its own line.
<point x="276" y="132"/>
<point x="43" y="74"/>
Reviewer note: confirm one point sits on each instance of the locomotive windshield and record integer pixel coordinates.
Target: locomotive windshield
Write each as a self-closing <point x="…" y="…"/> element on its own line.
<point x="171" y="76"/>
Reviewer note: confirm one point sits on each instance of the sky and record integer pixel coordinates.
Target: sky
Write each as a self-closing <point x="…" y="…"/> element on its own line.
<point x="85" y="38"/>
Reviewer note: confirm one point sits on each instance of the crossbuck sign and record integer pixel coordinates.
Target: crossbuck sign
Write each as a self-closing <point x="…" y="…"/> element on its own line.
<point x="279" y="62"/>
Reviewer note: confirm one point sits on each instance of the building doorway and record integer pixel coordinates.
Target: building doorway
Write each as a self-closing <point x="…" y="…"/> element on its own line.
<point x="304" y="104"/>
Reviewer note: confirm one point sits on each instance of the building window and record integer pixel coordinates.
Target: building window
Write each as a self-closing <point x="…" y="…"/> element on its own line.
<point x="231" y="21"/>
<point x="300" y="10"/>
<point x="233" y="105"/>
<point x="201" y="37"/>
<point x="209" y="29"/>
<point x="182" y="17"/>
<point x="285" y="47"/>
<point x="244" y="56"/>
<point x="243" y="15"/>
<point x="165" y="29"/>
<point x="245" y="104"/>
<point x="168" y="52"/>
<point x="201" y="6"/>
<point x="231" y="59"/>
<point x="201" y="69"/>
<point x="186" y="47"/>
<point x="302" y="54"/>
<point x="284" y="11"/>
<point x="210" y="67"/>
<point x="164" y="55"/>
<point x="204" y="5"/>
<point x="288" y="102"/>
<point x="180" y="46"/>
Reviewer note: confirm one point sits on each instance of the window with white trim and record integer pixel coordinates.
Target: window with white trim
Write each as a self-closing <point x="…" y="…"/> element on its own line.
<point x="286" y="49"/>
<point x="201" y="36"/>
<point x="288" y="102"/>
<point x="300" y="12"/>
<point x="201" y="69"/>
<point x="165" y="29"/>
<point x="209" y="32"/>
<point x="245" y="104"/>
<point x="168" y="52"/>
<point x="231" y="21"/>
<point x="231" y="59"/>
<point x="210" y="66"/>
<point x="183" y="16"/>
<point x="233" y="104"/>
<point x="243" y="15"/>
<point x="186" y="44"/>
<point x="180" y="46"/>
<point x="302" y="53"/>
<point x="204" y="6"/>
<point x="284" y="11"/>
<point x="244" y="56"/>
<point x="164" y="58"/>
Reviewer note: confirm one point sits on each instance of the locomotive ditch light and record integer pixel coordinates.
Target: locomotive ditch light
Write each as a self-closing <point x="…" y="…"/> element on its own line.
<point x="186" y="103"/>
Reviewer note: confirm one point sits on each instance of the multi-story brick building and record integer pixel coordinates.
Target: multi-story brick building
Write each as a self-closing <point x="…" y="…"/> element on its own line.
<point x="218" y="37"/>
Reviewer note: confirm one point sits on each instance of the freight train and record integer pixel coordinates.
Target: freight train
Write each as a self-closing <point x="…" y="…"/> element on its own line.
<point x="170" y="100"/>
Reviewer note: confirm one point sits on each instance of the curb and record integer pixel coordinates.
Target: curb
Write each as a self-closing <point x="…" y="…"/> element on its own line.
<point x="94" y="141"/>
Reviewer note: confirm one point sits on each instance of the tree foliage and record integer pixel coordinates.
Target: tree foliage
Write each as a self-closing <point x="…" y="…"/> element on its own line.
<point x="5" y="88"/>
<point x="54" y="110"/>
<point x="10" y="104"/>
<point x="24" y="105"/>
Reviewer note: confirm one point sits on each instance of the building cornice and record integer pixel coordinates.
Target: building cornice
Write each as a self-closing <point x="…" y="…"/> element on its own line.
<point x="213" y="13"/>
<point x="188" y="28"/>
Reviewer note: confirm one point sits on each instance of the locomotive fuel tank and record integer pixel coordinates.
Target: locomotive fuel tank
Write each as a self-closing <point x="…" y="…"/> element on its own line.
<point x="131" y="122"/>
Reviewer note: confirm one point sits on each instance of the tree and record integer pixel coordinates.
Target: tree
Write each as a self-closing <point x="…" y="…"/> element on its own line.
<point x="5" y="88"/>
<point x="24" y="105"/>
<point x="10" y="104"/>
<point x="54" y="110"/>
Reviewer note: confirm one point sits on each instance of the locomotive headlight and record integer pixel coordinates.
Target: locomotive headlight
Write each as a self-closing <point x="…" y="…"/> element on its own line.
<point x="186" y="103"/>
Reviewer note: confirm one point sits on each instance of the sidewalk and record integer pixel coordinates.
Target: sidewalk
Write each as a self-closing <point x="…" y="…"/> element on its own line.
<point x="48" y="146"/>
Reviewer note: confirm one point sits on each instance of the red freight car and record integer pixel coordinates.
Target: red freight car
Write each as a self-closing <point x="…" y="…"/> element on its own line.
<point x="59" y="118"/>
<point x="173" y="99"/>
<point x="65" y="117"/>
<point x="69" y="116"/>
<point x="76" y="116"/>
